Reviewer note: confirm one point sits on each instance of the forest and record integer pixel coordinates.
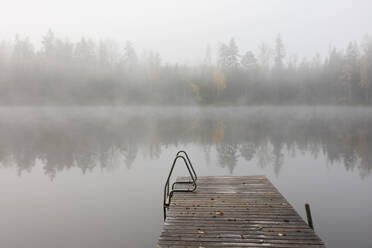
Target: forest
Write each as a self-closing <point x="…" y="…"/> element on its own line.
<point x="61" y="72"/>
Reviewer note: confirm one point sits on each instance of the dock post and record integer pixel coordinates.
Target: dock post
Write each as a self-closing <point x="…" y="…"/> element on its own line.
<point x="308" y="215"/>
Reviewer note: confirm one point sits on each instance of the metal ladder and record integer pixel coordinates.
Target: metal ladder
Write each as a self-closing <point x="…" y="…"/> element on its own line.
<point x="168" y="194"/>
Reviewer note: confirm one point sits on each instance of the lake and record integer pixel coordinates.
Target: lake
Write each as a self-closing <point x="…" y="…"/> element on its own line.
<point x="94" y="176"/>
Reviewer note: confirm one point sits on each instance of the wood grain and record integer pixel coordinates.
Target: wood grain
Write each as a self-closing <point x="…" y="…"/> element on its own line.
<point x="234" y="212"/>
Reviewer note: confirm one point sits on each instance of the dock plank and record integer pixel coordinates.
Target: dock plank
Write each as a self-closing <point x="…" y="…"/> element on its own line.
<point x="234" y="212"/>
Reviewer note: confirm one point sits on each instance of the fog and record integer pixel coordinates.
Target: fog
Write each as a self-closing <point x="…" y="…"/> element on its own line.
<point x="97" y="97"/>
<point x="187" y="53"/>
<point x="61" y="72"/>
<point x="90" y="137"/>
<point x="181" y="30"/>
<point x="77" y="177"/>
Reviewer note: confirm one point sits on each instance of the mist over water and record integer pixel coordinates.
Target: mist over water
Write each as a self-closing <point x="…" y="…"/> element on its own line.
<point x="97" y="97"/>
<point x="93" y="176"/>
<point x="89" y="137"/>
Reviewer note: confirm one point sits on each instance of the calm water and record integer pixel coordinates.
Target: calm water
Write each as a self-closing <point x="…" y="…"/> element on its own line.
<point x="93" y="177"/>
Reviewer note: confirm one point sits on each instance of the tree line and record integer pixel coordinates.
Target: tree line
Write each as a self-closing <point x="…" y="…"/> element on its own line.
<point x="61" y="72"/>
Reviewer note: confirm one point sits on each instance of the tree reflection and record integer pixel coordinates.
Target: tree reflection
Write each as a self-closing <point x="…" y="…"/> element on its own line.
<point x="84" y="138"/>
<point x="247" y="151"/>
<point x="227" y="155"/>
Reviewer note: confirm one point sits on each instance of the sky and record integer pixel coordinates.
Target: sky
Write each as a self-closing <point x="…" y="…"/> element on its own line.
<point x="181" y="30"/>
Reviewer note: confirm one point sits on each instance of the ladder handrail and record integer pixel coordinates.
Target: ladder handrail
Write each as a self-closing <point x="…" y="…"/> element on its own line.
<point x="189" y="165"/>
<point x="166" y="187"/>
<point x="168" y="194"/>
<point x="188" y="160"/>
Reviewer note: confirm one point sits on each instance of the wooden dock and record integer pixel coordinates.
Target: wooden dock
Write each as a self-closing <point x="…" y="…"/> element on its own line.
<point x="234" y="212"/>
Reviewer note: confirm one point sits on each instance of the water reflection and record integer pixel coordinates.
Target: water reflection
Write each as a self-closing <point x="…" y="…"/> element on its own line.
<point x="86" y="138"/>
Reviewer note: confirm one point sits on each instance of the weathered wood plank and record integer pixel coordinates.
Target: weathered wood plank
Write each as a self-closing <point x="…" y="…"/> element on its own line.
<point x="234" y="212"/>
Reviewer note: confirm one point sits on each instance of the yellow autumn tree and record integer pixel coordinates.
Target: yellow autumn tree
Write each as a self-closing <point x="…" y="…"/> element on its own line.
<point x="346" y="76"/>
<point x="196" y="90"/>
<point x="219" y="81"/>
<point x="364" y="73"/>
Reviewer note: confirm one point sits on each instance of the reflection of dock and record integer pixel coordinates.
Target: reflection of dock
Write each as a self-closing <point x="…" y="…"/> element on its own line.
<point x="234" y="212"/>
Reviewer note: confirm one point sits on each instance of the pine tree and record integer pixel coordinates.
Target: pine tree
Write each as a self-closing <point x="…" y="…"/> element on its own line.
<point x="279" y="53"/>
<point x="249" y="61"/>
<point x="228" y="55"/>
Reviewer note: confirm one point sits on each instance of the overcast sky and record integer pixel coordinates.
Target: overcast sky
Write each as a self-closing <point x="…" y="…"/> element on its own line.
<point x="180" y="30"/>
